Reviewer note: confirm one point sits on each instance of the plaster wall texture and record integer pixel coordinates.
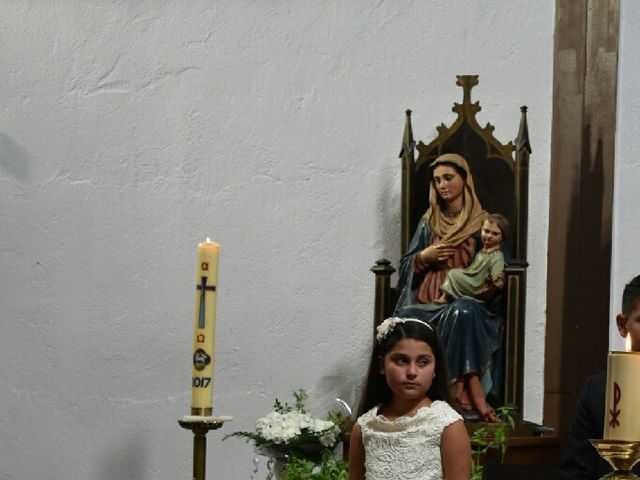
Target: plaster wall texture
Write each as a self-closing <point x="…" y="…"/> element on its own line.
<point x="625" y="262"/>
<point x="131" y="131"/>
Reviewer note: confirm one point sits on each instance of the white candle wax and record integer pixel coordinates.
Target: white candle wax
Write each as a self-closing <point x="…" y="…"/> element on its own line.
<point x="621" y="420"/>
<point x="204" y="335"/>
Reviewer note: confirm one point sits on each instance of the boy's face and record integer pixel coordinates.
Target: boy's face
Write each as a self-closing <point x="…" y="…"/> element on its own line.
<point x="490" y="234"/>
<point x="630" y="325"/>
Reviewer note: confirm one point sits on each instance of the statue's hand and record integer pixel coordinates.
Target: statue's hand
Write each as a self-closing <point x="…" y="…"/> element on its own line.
<point x="437" y="253"/>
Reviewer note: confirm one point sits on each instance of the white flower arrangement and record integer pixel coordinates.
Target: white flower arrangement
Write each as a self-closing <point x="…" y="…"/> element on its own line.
<point x="291" y="431"/>
<point x="284" y="427"/>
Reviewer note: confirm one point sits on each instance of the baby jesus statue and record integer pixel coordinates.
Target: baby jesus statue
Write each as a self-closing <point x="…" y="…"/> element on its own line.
<point x="485" y="276"/>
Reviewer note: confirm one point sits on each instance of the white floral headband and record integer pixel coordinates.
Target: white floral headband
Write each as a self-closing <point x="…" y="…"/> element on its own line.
<point x="385" y="327"/>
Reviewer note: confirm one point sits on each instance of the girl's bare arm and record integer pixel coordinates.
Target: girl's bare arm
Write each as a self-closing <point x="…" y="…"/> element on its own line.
<point x="455" y="451"/>
<point x="356" y="454"/>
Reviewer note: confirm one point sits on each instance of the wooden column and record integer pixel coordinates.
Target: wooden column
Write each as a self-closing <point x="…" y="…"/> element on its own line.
<point x="581" y="189"/>
<point x="383" y="301"/>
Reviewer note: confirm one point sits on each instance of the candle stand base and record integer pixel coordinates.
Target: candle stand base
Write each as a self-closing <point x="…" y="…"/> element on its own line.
<point x="622" y="455"/>
<point x="200" y="426"/>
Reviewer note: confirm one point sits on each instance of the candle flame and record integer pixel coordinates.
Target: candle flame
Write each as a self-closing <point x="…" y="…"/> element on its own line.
<point x="208" y="240"/>
<point x="627" y="343"/>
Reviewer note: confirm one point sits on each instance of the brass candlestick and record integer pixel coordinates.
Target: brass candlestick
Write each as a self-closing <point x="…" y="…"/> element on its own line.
<point x="622" y="455"/>
<point x="200" y="426"/>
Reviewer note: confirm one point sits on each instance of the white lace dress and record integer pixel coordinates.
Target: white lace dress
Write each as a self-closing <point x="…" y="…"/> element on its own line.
<point x="407" y="448"/>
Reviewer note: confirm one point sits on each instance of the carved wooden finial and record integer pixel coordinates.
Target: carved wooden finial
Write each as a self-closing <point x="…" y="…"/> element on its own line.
<point x="522" y="140"/>
<point x="466" y="108"/>
<point x="467" y="82"/>
<point x="383" y="266"/>
<point x="408" y="144"/>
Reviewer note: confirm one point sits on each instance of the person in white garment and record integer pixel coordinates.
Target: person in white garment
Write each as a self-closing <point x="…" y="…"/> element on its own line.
<point x="406" y="429"/>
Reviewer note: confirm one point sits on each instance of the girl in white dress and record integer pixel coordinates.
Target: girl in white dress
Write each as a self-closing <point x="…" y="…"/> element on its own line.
<point x="406" y="429"/>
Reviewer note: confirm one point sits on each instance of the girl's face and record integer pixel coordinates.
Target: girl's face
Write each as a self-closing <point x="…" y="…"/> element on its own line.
<point x="490" y="234"/>
<point x="409" y="368"/>
<point x="449" y="183"/>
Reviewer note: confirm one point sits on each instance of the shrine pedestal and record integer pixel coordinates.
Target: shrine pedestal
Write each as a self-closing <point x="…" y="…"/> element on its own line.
<point x="525" y="446"/>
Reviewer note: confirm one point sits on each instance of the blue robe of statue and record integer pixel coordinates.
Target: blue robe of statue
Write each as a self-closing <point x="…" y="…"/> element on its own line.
<point x="470" y="331"/>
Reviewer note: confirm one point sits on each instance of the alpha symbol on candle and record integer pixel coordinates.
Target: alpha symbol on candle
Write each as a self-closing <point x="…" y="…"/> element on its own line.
<point x="203" y="287"/>
<point x="615" y="411"/>
<point x="205" y="266"/>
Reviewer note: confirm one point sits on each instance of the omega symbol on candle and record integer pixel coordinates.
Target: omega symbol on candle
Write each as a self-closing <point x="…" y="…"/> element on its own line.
<point x="201" y="359"/>
<point x="615" y="411"/>
<point x="200" y="338"/>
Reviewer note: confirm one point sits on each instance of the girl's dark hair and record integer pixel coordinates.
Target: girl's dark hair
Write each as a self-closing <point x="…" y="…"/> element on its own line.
<point x="377" y="392"/>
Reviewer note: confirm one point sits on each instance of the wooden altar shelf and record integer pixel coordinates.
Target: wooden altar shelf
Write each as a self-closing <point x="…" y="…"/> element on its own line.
<point x="506" y="471"/>
<point x="524" y="447"/>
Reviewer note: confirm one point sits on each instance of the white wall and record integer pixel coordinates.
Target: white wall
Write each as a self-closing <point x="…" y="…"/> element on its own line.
<point x="625" y="262"/>
<point x="130" y="131"/>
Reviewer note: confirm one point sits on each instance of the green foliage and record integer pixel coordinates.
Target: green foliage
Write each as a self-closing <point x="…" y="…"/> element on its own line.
<point x="343" y="421"/>
<point x="328" y="469"/>
<point x="289" y="434"/>
<point x="300" y="397"/>
<point x="280" y="407"/>
<point x="481" y="440"/>
<point x="480" y="445"/>
<point x="257" y="439"/>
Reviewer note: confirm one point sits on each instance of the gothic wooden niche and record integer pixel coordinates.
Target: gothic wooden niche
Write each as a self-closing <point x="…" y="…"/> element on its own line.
<point x="500" y="173"/>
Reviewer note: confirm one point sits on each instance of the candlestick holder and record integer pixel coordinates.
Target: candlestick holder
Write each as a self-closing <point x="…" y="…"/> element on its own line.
<point x="622" y="455"/>
<point x="200" y="426"/>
